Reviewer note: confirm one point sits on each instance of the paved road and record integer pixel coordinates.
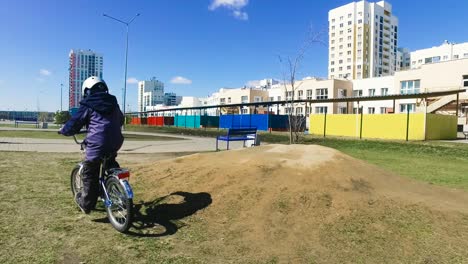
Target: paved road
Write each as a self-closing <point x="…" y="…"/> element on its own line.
<point x="181" y="144"/>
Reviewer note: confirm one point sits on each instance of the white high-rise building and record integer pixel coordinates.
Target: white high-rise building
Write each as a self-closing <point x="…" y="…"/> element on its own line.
<point x="445" y="52"/>
<point x="150" y="93"/>
<point x="83" y="64"/>
<point x="363" y="40"/>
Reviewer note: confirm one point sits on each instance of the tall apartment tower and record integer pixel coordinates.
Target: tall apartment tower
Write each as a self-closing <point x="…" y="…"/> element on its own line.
<point x="363" y="40"/>
<point x="150" y="93"/>
<point x="83" y="64"/>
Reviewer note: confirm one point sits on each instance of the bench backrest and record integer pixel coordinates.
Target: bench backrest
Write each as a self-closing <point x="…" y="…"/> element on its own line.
<point x="242" y="131"/>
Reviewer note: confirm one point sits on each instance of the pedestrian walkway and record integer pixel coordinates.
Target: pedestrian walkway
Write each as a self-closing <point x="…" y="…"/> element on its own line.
<point x="185" y="144"/>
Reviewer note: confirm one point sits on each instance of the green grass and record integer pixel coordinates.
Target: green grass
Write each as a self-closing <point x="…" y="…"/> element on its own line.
<point x="53" y="135"/>
<point x="435" y="162"/>
<point x="41" y="223"/>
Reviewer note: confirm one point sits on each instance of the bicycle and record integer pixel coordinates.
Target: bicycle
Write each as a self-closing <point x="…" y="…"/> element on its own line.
<point x="114" y="190"/>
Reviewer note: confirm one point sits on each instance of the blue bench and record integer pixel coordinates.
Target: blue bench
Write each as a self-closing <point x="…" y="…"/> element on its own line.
<point x="17" y="122"/>
<point x="238" y="134"/>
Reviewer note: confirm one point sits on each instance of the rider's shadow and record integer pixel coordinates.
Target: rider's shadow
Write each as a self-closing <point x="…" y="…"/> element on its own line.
<point x="157" y="219"/>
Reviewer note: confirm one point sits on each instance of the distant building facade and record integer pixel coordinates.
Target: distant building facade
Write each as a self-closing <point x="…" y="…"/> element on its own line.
<point x="150" y="93"/>
<point x="363" y="40"/>
<point x="82" y="64"/>
<point x="445" y="52"/>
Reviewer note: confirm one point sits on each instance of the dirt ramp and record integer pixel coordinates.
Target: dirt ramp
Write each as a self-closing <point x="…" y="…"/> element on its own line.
<point x="306" y="204"/>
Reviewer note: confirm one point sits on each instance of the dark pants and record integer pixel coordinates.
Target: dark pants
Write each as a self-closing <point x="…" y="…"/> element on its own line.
<point x="90" y="177"/>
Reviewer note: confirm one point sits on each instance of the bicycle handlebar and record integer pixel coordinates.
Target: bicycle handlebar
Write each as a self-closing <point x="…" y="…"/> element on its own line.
<point x="76" y="140"/>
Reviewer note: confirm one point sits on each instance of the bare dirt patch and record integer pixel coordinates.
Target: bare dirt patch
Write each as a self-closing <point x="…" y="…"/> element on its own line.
<point x="306" y="204"/>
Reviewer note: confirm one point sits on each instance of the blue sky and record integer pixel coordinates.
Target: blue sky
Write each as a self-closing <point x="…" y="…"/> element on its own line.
<point x="210" y="44"/>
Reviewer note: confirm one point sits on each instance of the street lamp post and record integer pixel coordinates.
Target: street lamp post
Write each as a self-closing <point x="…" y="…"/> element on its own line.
<point x="61" y="98"/>
<point x="126" y="55"/>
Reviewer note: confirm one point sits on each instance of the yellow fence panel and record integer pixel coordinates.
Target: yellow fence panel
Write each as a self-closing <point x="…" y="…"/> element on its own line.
<point x="385" y="126"/>
<point x="441" y="127"/>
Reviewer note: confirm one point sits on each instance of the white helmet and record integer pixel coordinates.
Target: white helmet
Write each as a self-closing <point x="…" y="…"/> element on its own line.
<point x="92" y="85"/>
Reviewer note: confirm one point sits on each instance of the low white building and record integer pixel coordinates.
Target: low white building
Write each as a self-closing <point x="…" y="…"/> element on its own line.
<point x="374" y="87"/>
<point x="445" y="52"/>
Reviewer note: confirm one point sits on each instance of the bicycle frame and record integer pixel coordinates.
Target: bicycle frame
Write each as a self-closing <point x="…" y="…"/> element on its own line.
<point x="103" y="176"/>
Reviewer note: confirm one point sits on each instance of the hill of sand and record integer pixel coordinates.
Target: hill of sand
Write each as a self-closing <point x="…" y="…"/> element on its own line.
<point x="299" y="204"/>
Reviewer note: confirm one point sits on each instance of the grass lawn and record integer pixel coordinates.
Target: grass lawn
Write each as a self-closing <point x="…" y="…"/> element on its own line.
<point x="53" y="135"/>
<point x="41" y="223"/>
<point x="434" y="162"/>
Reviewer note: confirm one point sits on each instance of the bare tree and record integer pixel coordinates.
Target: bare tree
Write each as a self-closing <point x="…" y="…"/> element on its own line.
<point x="292" y="64"/>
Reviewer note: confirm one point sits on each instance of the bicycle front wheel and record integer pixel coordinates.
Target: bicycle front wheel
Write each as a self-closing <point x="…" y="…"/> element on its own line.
<point x="120" y="211"/>
<point x="75" y="181"/>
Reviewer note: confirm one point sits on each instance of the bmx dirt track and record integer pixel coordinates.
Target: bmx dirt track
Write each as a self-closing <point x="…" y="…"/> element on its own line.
<point x="307" y="204"/>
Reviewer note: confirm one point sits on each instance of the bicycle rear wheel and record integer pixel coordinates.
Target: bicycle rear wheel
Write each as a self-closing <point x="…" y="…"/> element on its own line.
<point x="120" y="212"/>
<point x="75" y="181"/>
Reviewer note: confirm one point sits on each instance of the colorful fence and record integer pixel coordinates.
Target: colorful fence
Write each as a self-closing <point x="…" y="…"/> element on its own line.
<point x="261" y="122"/>
<point x="196" y="121"/>
<point x="385" y="126"/>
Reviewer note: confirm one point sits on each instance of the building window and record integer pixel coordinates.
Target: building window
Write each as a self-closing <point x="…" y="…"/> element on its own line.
<point x="333" y="20"/>
<point x="384" y="91"/>
<point x="309" y="94"/>
<point x="333" y="27"/>
<point x="341" y="61"/>
<point x="332" y="70"/>
<point x="410" y="87"/>
<point x="222" y="101"/>
<point x="407" y="107"/>
<point x="257" y="99"/>
<point x="455" y="56"/>
<point x="357" y="93"/>
<point x="299" y="110"/>
<point x="445" y="57"/>
<point x="349" y="52"/>
<point x="229" y="100"/>
<point x="371" y="92"/>
<point x="359" y="21"/>
<point x="300" y="94"/>
<point x="383" y="110"/>
<point x="348" y="67"/>
<point x="342" y="110"/>
<point x="465" y="80"/>
<point x="320" y="109"/>
<point x="321" y="93"/>
<point x="244" y="111"/>
<point x="465" y="55"/>
<point x="349" y="23"/>
<point x="244" y="99"/>
<point x="333" y="41"/>
<point x="340" y="69"/>
<point x="341" y="25"/>
<point x="349" y="15"/>
<point x="349" y="45"/>
<point x="349" y="37"/>
<point x="371" y="110"/>
<point x="333" y="63"/>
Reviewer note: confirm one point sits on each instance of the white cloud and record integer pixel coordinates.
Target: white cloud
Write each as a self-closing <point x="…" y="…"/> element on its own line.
<point x="45" y="72"/>
<point x="181" y="80"/>
<point x="240" y="15"/>
<point x="132" y="80"/>
<point x="235" y="6"/>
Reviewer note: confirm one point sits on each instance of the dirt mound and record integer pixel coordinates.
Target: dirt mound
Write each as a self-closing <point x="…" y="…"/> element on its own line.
<point x="302" y="204"/>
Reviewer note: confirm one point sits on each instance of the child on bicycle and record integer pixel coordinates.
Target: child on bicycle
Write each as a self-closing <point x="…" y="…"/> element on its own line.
<point x="99" y="112"/>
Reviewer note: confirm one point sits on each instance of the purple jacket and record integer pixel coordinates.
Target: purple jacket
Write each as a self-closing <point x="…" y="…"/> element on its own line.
<point x="103" y="119"/>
